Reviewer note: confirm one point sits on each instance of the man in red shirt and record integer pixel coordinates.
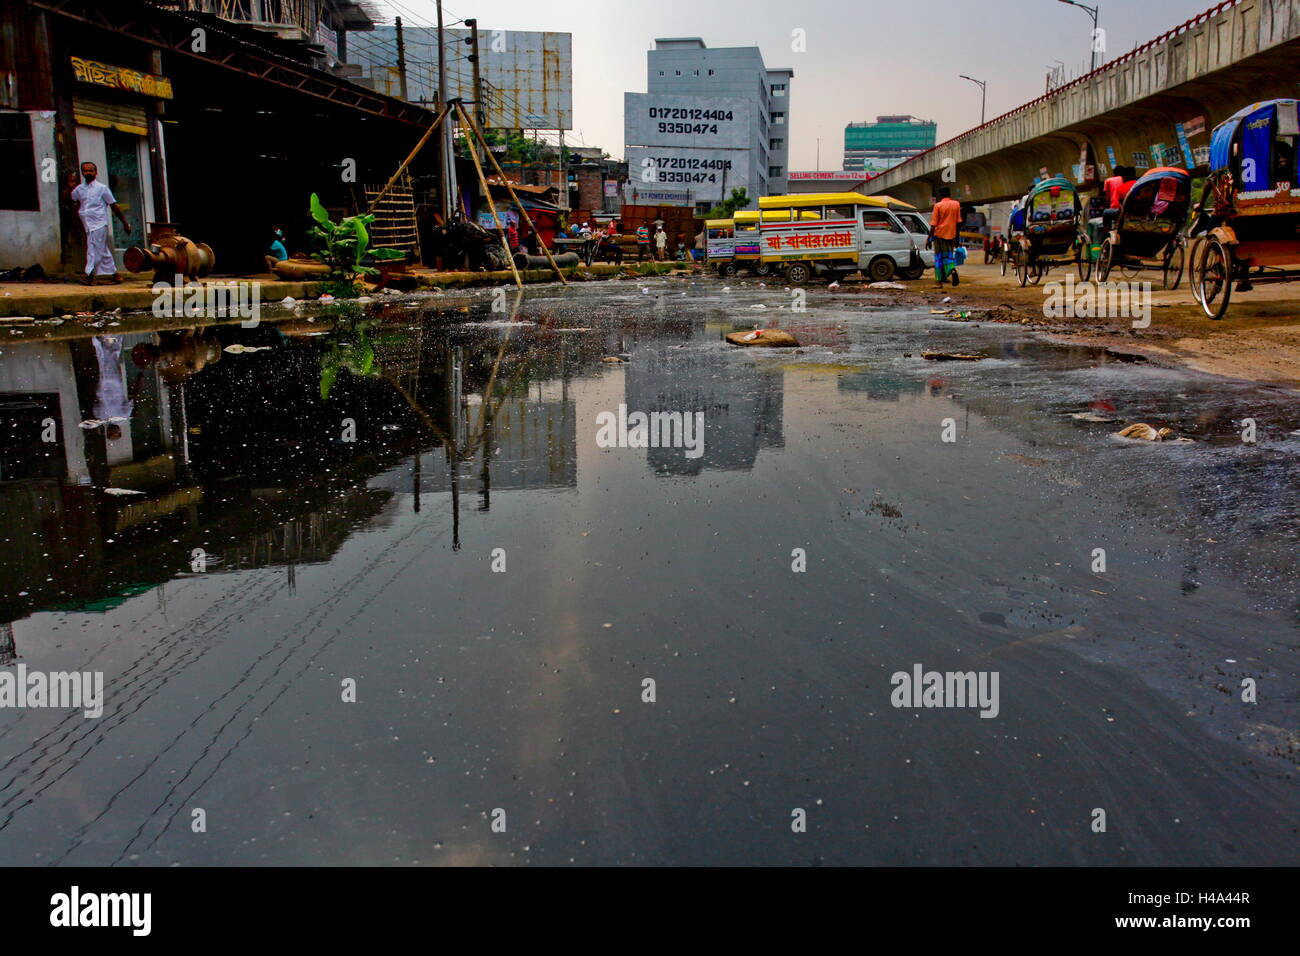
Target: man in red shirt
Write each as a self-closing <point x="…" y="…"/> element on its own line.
<point x="944" y="220"/>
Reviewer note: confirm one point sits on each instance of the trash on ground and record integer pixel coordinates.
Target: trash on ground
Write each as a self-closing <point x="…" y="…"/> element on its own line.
<point x="952" y="356"/>
<point x="1140" y="431"/>
<point x="764" y="338"/>
<point x="886" y="285"/>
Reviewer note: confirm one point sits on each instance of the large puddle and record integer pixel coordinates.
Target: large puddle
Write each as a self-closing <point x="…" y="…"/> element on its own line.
<point x="368" y="585"/>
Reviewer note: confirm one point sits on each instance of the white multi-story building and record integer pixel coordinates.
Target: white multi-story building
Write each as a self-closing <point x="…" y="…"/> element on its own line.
<point x="711" y="120"/>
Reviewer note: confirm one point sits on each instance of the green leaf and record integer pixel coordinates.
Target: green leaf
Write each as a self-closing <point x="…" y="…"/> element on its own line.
<point x="382" y="253"/>
<point x="327" y="376"/>
<point x="318" y="211"/>
<point x="363" y="236"/>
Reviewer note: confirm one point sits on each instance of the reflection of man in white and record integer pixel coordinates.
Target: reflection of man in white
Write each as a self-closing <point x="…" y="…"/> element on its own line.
<point x="113" y="401"/>
<point x="94" y="200"/>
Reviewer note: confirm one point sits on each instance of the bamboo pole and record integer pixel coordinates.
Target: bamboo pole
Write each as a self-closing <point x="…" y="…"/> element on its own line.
<point x="442" y="115"/>
<point x="495" y="218"/>
<point x="513" y="195"/>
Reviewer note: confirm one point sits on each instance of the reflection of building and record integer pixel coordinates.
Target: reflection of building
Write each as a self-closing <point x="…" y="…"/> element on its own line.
<point x="875" y="147"/>
<point x="238" y="453"/>
<point x="743" y="407"/>
<point x="879" y="386"/>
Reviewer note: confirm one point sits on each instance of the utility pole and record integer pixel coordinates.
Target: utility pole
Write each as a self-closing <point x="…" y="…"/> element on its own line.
<point x="448" y="158"/>
<point x="401" y="58"/>
<point x="564" y="176"/>
<point x="480" y="115"/>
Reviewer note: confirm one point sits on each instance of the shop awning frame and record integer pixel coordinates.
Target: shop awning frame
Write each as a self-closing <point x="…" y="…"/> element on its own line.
<point x="172" y="31"/>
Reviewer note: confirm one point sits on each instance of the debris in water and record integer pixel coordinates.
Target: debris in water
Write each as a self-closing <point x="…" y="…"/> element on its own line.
<point x="1140" y="431"/>
<point x="766" y="338"/>
<point x="952" y="356"/>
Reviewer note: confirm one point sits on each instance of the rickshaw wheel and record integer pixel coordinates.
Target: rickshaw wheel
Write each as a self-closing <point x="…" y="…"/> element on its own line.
<point x="1006" y="258"/>
<point x="1037" y="272"/>
<point x="1083" y="261"/>
<point x="1175" y="263"/>
<point x="1105" y="259"/>
<point x="1022" y="269"/>
<point x="1215" y="279"/>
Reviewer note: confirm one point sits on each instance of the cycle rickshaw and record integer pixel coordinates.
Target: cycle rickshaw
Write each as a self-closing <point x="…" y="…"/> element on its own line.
<point x="1054" y="232"/>
<point x="1249" y="211"/>
<point x="1149" y="231"/>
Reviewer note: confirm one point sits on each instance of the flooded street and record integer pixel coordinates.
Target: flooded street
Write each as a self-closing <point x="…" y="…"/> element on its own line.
<point x="432" y="619"/>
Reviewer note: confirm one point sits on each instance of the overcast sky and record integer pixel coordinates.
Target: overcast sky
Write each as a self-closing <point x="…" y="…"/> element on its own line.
<point x="863" y="59"/>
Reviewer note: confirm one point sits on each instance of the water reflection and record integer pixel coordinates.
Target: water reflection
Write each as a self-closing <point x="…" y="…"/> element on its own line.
<point x="325" y="464"/>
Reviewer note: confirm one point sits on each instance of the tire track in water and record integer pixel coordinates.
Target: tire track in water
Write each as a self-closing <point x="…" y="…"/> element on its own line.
<point x="338" y="631"/>
<point x="120" y="714"/>
<point x="104" y="646"/>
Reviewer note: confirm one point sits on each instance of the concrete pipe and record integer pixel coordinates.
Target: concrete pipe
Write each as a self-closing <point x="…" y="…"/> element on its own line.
<point x="524" y="261"/>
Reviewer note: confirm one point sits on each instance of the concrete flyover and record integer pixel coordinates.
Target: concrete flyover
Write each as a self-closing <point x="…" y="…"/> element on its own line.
<point x="1209" y="67"/>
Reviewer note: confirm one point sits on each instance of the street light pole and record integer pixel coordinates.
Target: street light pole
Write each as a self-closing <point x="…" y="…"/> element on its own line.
<point x="983" y="85"/>
<point x="1092" y="12"/>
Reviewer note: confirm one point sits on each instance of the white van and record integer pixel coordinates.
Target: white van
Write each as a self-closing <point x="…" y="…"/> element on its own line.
<point x="881" y="236"/>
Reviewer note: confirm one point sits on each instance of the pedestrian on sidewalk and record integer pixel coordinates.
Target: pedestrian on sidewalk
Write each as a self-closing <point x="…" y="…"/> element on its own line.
<point x="944" y="219"/>
<point x="661" y="244"/>
<point x="94" y="201"/>
<point x="642" y="242"/>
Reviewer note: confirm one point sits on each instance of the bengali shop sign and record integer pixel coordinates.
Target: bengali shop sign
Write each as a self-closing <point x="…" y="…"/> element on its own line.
<point x="121" y="78"/>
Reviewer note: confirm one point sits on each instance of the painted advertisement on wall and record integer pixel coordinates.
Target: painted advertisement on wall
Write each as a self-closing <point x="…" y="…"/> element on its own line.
<point x="709" y="174"/>
<point x="700" y="122"/>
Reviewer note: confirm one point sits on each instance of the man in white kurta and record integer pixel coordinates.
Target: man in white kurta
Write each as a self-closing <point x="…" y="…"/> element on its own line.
<point x="94" y="202"/>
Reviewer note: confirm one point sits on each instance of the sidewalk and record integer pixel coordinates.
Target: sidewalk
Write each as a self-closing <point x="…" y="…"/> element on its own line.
<point x="46" y="299"/>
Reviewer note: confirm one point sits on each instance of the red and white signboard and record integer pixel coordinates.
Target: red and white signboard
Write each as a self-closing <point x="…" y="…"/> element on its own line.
<point x="840" y="174"/>
<point x="829" y="239"/>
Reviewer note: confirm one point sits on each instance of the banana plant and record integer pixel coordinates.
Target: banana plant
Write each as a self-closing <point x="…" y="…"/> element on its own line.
<point x="346" y="246"/>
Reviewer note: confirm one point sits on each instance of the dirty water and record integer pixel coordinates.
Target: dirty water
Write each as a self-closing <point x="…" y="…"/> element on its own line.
<point x="443" y="536"/>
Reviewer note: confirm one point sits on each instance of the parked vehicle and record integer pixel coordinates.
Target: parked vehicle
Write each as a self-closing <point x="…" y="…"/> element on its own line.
<point x="720" y="244"/>
<point x="1054" y="234"/>
<point x="834" y="234"/>
<point x="1249" y="211"/>
<point x="1149" y="231"/>
<point x="747" y="250"/>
